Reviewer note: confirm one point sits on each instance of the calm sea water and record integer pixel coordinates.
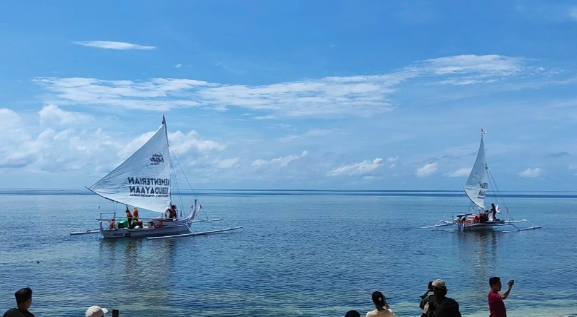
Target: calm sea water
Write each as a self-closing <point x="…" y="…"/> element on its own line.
<point x="298" y="255"/>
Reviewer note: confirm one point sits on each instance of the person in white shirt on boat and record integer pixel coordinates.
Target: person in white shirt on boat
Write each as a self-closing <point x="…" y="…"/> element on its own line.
<point x="381" y="306"/>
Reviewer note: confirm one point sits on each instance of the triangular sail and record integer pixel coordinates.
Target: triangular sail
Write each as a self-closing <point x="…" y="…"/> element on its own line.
<point x="143" y="180"/>
<point x="477" y="183"/>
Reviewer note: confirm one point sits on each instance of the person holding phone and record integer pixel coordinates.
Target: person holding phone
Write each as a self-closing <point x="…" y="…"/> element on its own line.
<point x="496" y="304"/>
<point x="439" y="305"/>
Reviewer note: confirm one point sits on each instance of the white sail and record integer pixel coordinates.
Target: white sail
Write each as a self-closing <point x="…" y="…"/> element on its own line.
<point x="143" y="180"/>
<point x="477" y="183"/>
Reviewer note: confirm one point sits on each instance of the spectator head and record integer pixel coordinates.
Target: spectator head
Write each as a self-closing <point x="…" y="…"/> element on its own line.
<point x="495" y="283"/>
<point x="352" y="313"/>
<point x="439" y="287"/>
<point x="96" y="311"/>
<point x="379" y="299"/>
<point x="23" y="297"/>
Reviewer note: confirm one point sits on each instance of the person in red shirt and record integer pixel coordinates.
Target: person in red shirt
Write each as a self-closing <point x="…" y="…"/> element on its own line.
<point x="496" y="305"/>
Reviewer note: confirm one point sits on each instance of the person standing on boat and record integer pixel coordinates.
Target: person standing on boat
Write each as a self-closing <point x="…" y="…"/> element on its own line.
<point x="494" y="212"/>
<point x="440" y="305"/>
<point x="381" y="306"/>
<point x="23" y="302"/>
<point x="496" y="304"/>
<point x="129" y="217"/>
<point x="135" y="219"/>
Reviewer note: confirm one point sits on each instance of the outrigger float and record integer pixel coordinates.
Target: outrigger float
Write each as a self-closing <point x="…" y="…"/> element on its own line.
<point x="144" y="181"/>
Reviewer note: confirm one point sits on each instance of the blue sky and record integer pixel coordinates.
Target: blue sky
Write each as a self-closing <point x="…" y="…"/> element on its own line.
<point x="291" y="94"/>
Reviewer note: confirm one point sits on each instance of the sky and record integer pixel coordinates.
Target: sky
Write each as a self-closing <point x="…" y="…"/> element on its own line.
<point x="313" y="94"/>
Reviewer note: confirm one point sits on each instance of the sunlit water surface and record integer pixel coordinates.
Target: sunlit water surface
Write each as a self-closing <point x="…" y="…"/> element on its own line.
<point x="297" y="255"/>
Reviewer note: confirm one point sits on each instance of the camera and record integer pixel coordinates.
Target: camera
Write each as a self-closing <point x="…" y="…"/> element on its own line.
<point x="430" y="286"/>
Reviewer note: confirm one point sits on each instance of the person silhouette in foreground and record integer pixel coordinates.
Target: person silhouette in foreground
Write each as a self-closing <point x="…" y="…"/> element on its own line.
<point x="95" y="311"/>
<point x="439" y="305"/>
<point x="496" y="305"/>
<point x="381" y="306"/>
<point x="352" y="313"/>
<point x="23" y="302"/>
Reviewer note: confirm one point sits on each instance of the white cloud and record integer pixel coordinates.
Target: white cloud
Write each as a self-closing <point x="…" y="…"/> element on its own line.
<point x="279" y="162"/>
<point x="177" y="65"/>
<point x="573" y="13"/>
<point x="308" y="134"/>
<point x="362" y="96"/>
<point x="465" y="171"/>
<point x="427" y="170"/>
<point x="462" y="64"/>
<point x="114" y="45"/>
<point x="227" y="163"/>
<point x="531" y="172"/>
<point x="361" y="168"/>
<point x="9" y="119"/>
<point x="53" y="149"/>
<point x="51" y="114"/>
<point x="392" y="161"/>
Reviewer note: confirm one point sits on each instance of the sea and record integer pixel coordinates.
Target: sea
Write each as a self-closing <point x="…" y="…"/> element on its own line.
<point x="299" y="253"/>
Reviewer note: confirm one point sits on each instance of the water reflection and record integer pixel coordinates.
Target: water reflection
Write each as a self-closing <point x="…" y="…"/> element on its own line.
<point x="136" y="272"/>
<point x="478" y="254"/>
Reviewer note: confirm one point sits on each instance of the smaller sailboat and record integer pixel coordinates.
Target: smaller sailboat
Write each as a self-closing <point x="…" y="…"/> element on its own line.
<point x="144" y="181"/>
<point x="479" y="217"/>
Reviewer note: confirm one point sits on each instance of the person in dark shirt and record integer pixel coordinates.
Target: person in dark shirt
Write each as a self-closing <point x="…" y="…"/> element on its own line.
<point x="23" y="302"/>
<point x="494" y="212"/>
<point x="439" y="305"/>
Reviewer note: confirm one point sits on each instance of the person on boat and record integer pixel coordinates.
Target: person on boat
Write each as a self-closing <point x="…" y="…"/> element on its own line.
<point x="496" y="305"/>
<point x="439" y="304"/>
<point x="352" y="313"/>
<point x="23" y="302"/>
<point x="111" y="224"/>
<point x="494" y="212"/>
<point x="129" y="217"/>
<point x="171" y="212"/>
<point x="485" y="216"/>
<point x="381" y="306"/>
<point x="135" y="219"/>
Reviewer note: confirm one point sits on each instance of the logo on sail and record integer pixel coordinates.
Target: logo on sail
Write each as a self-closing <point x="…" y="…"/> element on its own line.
<point x="156" y="159"/>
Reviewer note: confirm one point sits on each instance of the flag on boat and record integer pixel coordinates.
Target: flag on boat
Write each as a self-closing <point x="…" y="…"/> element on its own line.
<point x="498" y="209"/>
<point x="163" y="120"/>
<point x="483" y="131"/>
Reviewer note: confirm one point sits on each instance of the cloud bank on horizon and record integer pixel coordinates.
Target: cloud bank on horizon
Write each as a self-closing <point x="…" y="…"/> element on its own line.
<point x="414" y="124"/>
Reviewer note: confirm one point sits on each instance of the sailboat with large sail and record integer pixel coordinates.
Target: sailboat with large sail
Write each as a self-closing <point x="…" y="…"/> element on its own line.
<point x="144" y="181"/>
<point x="480" y="217"/>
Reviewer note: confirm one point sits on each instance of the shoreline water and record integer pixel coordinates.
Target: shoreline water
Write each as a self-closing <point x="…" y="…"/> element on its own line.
<point x="299" y="255"/>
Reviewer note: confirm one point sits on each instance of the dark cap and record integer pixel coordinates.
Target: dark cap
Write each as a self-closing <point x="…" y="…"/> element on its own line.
<point x="379" y="299"/>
